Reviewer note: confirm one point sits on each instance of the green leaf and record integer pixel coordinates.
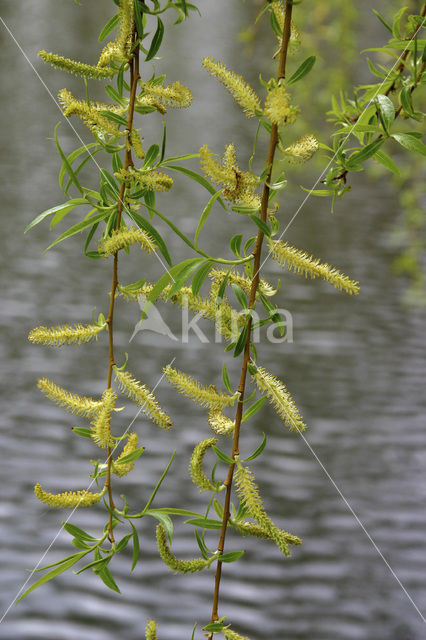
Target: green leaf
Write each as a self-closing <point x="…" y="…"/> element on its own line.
<point x="383" y="21"/>
<point x="72" y="157"/>
<point x="64" y="566"/>
<point x="156" y="40"/>
<point x="301" y="71"/>
<point x="165" y="521"/>
<point x="158" y="485"/>
<point x="203" y="549"/>
<point x="262" y="225"/>
<point x="230" y="556"/>
<point x="205" y="214"/>
<point x="221" y="290"/>
<point x="136" y="548"/>
<point x="82" y="431"/>
<point x="259" y="449"/>
<point x="387" y="162"/>
<point x="67" y="165"/>
<point x="193" y="175"/>
<point x="151" y="155"/>
<point x="77" y="228"/>
<point x="65" y="208"/>
<point x="407" y="104"/>
<point x="226" y="380"/>
<point x="200" y="276"/>
<point x="130" y="457"/>
<point x="364" y="153"/>
<point x="222" y="456"/>
<point x="386" y="110"/>
<point x="147" y="226"/>
<point x="107" y="578"/>
<point x="178" y="512"/>
<point x="107" y="178"/>
<point x="396" y="27"/>
<point x="204" y="523"/>
<point x="182" y="272"/>
<point x="138" y="18"/>
<point x="240" y="295"/>
<point x="110" y="25"/>
<point x="77" y="532"/>
<point x="410" y="142"/>
<point x="123" y="543"/>
<point x="241" y="342"/>
<point x="254" y="408"/>
<point x="235" y="244"/>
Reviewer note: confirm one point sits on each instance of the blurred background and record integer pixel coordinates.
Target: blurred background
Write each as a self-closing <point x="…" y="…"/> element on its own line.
<point x="356" y="367"/>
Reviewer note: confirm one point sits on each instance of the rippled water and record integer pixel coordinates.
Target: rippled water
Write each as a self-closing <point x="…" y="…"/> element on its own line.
<point x="356" y="369"/>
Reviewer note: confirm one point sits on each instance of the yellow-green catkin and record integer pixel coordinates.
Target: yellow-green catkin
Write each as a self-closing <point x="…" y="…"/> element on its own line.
<point x="279" y="397"/>
<point x="200" y="394"/>
<point x="143" y="396"/>
<point x="279" y="10"/>
<point x="230" y="634"/>
<point x="151" y="630"/>
<point x="228" y="321"/>
<point x="119" y="49"/>
<point x="302" y="150"/>
<point x="256" y="531"/>
<point x="136" y="143"/>
<point x="179" y="566"/>
<point x="239" y="185"/>
<point x="301" y="262"/>
<point x="239" y="89"/>
<point x="278" y="107"/>
<point x="198" y="476"/>
<point x="78" y="68"/>
<point x="101" y="424"/>
<point x="249" y="494"/>
<point x="90" y="113"/>
<point x="174" y="95"/>
<point x="151" y="180"/>
<point x="65" y="334"/>
<point x="72" y="402"/>
<point x="219" y="423"/>
<point x="218" y="275"/>
<point x="121" y="469"/>
<point x="68" y="499"/>
<point x="123" y="238"/>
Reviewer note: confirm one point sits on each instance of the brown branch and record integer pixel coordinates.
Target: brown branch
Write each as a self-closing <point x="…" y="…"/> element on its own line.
<point x="273" y="142"/>
<point x="134" y="77"/>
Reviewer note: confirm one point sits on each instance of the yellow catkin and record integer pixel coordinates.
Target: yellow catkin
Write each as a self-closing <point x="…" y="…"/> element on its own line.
<point x="218" y="275"/>
<point x="279" y="397"/>
<point x="301" y="262"/>
<point x="256" y="531"/>
<point x="151" y="180"/>
<point x="220" y="424"/>
<point x="65" y="334"/>
<point x="122" y="238"/>
<point x="101" y="424"/>
<point x="302" y="150"/>
<point x="143" y="396"/>
<point x="278" y="107"/>
<point x="136" y="143"/>
<point x="68" y="499"/>
<point x="149" y="101"/>
<point x="230" y="634"/>
<point x="179" y="566"/>
<point x="200" y="394"/>
<point x="239" y="89"/>
<point x="248" y="493"/>
<point x="151" y="630"/>
<point x="228" y="321"/>
<point x="174" y="95"/>
<point x="90" y="113"/>
<point x="239" y="185"/>
<point x="72" y="402"/>
<point x="119" y="49"/>
<point x="78" y="68"/>
<point x="198" y="476"/>
<point x="130" y="446"/>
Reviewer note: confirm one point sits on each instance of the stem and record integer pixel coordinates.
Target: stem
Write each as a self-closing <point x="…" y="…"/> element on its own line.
<point x="134" y="77"/>
<point x="273" y="141"/>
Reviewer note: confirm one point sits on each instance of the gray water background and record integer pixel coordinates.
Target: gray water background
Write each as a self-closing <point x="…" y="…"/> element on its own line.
<point x="356" y="370"/>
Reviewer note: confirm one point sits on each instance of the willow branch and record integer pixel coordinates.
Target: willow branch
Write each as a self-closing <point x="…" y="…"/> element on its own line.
<point x="134" y="77"/>
<point x="273" y="142"/>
